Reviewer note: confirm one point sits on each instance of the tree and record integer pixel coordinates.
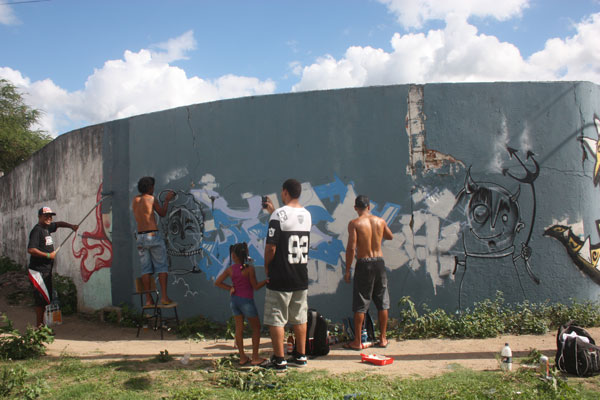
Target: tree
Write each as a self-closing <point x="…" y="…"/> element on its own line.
<point x="18" y="141"/>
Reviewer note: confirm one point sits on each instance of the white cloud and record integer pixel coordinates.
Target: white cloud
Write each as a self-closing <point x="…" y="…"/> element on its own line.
<point x="412" y="14"/>
<point x="7" y="17"/>
<point x="457" y="53"/>
<point x="140" y="82"/>
<point x="576" y="57"/>
<point x="176" y="48"/>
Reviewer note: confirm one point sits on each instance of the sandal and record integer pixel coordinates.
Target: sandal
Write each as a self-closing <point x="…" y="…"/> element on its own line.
<point x="347" y="346"/>
<point x="241" y="364"/>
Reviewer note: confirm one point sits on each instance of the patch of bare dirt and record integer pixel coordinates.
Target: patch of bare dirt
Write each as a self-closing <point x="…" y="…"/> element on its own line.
<point x="92" y="340"/>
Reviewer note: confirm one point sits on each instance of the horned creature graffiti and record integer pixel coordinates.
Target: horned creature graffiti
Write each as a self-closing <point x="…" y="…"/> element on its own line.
<point x="493" y="220"/>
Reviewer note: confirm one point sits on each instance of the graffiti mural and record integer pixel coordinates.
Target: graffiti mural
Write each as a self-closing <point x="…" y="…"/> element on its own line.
<point x="200" y="226"/>
<point x="584" y="254"/>
<point x="95" y="251"/>
<point x="183" y="228"/>
<point x="493" y="220"/>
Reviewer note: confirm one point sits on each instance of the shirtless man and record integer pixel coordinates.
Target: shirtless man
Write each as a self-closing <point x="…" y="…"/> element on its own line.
<point x="150" y="245"/>
<point x="365" y="235"/>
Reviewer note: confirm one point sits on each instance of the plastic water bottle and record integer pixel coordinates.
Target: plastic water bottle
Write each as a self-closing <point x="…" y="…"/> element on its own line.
<point x="364" y="336"/>
<point x="185" y="359"/>
<point x="506" y="355"/>
<point x="544" y="366"/>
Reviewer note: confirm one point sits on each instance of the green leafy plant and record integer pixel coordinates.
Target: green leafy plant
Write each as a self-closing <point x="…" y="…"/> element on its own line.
<point x="17" y="346"/>
<point x="252" y="380"/>
<point x="6" y="265"/>
<point x="13" y="384"/>
<point x="202" y="327"/>
<point x="18" y="296"/>
<point x="532" y="358"/>
<point x="130" y="317"/>
<point x="67" y="293"/>
<point x="586" y="313"/>
<point x="164" y="356"/>
<point x="490" y="318"/>
<point x="230" y="329"/>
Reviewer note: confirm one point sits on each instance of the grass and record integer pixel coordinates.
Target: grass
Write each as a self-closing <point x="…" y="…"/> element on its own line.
<point x="67" y="377"/>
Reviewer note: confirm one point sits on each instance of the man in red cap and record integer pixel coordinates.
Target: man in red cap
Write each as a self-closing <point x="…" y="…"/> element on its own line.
<point x="41" y="249"/>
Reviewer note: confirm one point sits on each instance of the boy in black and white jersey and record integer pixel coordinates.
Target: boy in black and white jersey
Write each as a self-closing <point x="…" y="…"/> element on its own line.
<point x="286" y="259"/>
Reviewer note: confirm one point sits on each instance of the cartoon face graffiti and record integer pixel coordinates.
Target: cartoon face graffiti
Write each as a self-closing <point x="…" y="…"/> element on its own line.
<point x="184" y="226"/>
<point x="493" y="219"/>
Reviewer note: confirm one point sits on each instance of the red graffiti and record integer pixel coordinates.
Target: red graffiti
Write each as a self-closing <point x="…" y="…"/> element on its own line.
<point x="96" y="245"/>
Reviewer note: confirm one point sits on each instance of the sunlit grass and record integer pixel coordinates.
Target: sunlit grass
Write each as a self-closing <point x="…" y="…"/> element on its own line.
<point x="67" y="377"/>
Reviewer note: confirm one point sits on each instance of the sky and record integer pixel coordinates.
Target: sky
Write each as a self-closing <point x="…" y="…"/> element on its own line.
<point x="84" y="62"/>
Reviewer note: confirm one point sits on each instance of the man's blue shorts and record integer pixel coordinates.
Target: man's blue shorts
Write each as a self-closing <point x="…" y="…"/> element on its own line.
<point x="153" y="253"/>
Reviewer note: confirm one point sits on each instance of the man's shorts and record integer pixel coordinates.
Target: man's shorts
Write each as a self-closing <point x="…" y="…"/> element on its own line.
<point x="370" y="283"/>
<point x="38" y="298"/>
<point x="153" y="253"/>
<point x="284" y="307"/>
<point x="243" y="306"/>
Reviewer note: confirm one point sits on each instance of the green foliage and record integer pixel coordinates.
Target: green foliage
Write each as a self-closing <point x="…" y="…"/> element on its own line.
<point x="69" y="378"/>
<point x="190" y="393"/>
<point x="6" y="264"/>
<point x="17" y="346"/>
<point x="253" y="380"/>
<point x="18" y="296"/>
<point x="203" y="328"/>
<point x="585" y="313"/>
<point x="164" y="356"/>
<point x="532" y="358"/>
<point x="13" y="384"/>
<point x="130" y="317"/>
<point x="18" y="141"/>
<point x="230" y="329"/>
<point x="491" y="318"/>
<point x="67" y="293"/>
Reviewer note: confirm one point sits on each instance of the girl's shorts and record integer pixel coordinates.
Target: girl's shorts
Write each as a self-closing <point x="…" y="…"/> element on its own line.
<point x="243" y="306"/>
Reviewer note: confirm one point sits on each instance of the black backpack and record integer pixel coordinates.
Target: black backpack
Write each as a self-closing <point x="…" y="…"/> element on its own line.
<point x="574" y="355"/>
<point x="317" y="342"/>
<point x="367" y="324"/>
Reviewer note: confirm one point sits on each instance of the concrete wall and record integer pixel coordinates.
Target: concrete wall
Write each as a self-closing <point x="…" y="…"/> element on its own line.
<point x="66" y="175"/>
<point x="486" y="187"/>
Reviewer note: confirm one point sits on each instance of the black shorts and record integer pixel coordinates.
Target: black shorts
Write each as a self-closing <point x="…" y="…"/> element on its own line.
<point x="38" y="299"/>
<point x="370" y="283"/>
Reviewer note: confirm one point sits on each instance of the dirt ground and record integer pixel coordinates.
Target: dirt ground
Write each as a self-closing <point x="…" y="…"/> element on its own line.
<point x="93" y="340"/>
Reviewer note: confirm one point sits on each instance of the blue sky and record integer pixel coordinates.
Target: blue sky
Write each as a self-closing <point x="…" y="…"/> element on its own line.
<point x="90" y="61"/>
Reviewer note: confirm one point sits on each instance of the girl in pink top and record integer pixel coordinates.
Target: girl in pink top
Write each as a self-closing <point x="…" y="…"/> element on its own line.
<point x="243" y="278"/>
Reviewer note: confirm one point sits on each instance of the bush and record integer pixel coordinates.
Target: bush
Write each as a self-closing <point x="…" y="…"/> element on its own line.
<point x="491" y="318"/>
<point x="130" y="317"/>
<point x="67" y="293"/>
<point x="585" y="313"/>
<point x="17" y="346"/>
<point x="203" y="328"/>
<point x="6" y="264"/>
<point x="164" y="356"/>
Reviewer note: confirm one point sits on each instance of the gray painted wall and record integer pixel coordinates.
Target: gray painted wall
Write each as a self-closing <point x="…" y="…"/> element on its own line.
<point x="432" y="158"/>
<point x="65" y="175"/>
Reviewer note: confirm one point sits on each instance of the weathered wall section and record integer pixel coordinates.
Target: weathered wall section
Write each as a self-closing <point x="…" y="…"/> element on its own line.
<point x="66" y="175"/>
<point x="486" y="187"/>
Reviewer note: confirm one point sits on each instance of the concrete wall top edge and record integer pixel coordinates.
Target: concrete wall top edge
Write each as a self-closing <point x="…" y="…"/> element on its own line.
<point x="349" y="89"/>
